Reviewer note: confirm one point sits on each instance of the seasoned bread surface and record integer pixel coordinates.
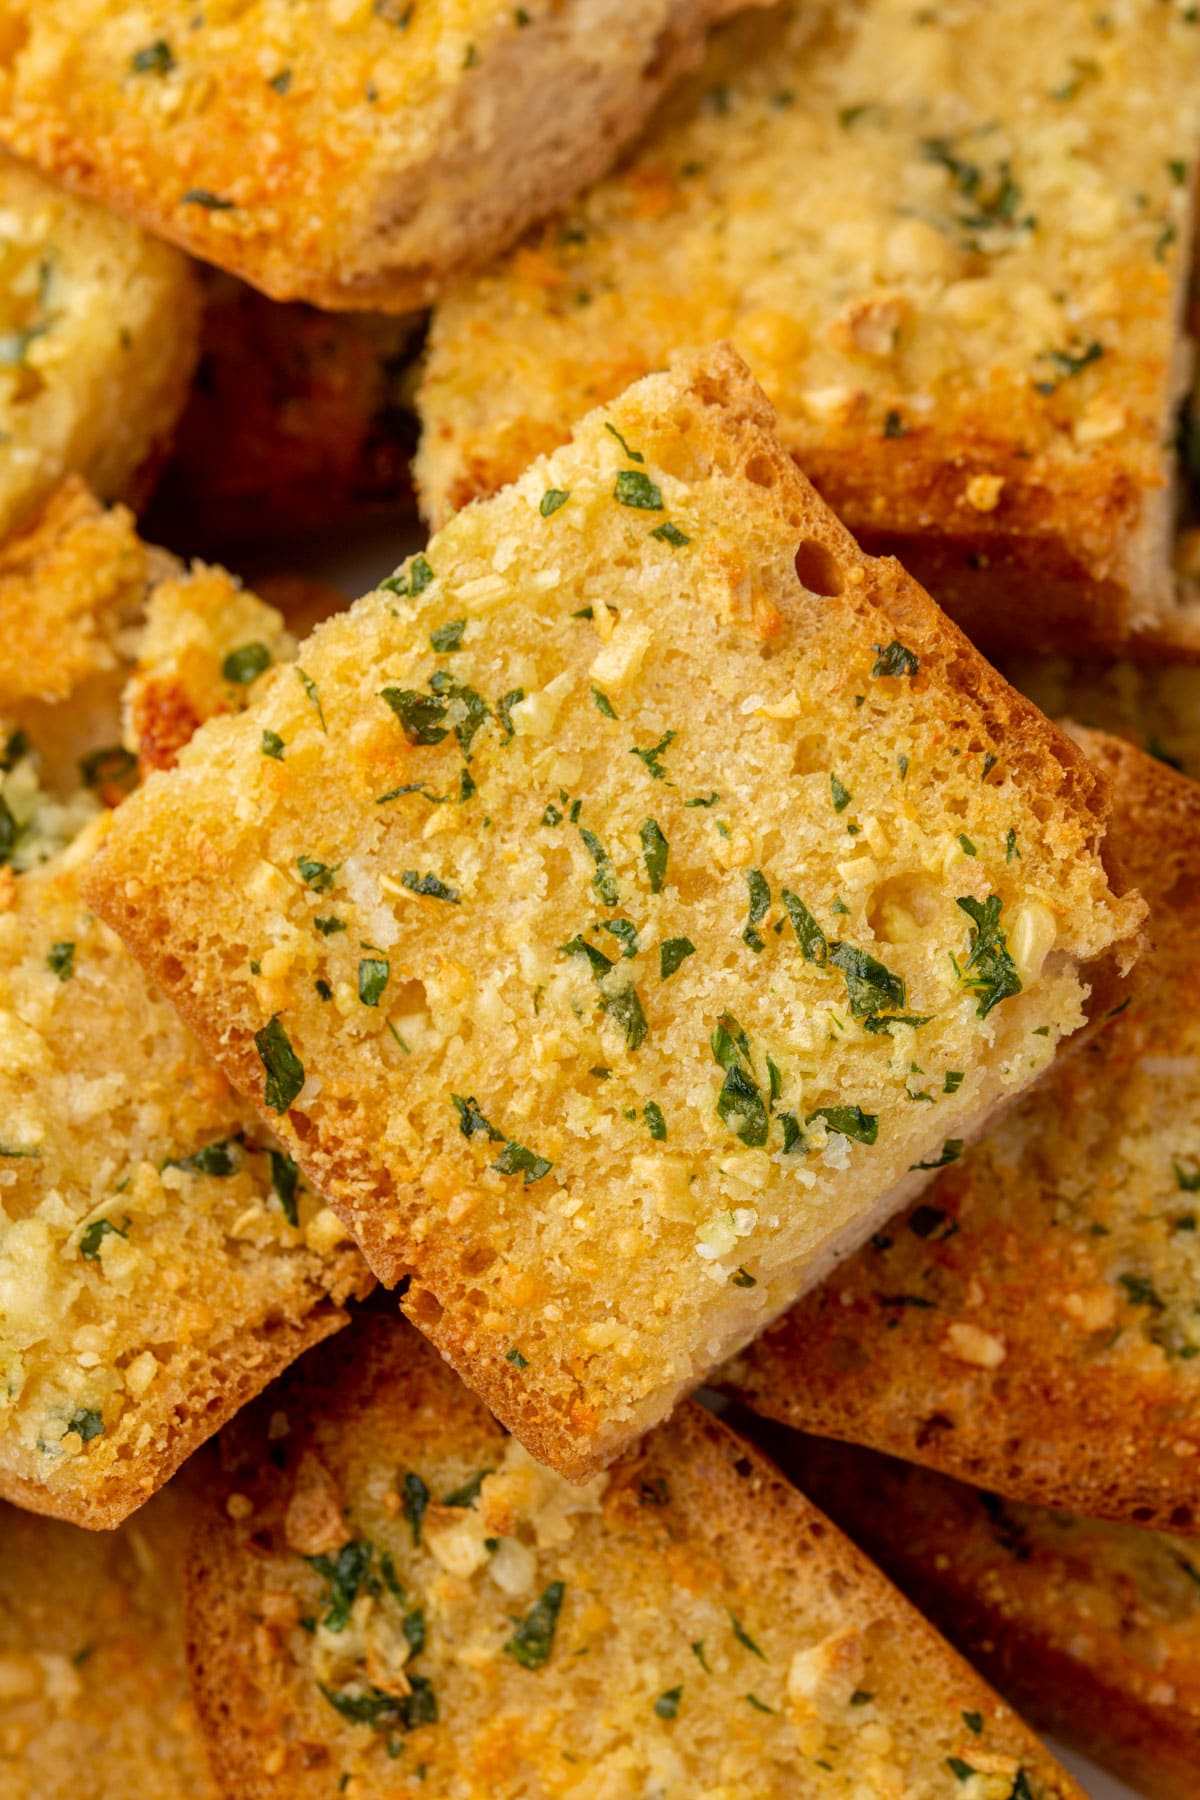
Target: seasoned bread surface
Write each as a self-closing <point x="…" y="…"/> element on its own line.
<point x="98" y="336"/>
<point x="1031" y="1326"/>
<point x="952" y="243"/>
<point x="651" y="886"/>
<point x="352" y="153"/>
<point x="1093" y="1629"/>
<point x="297" y="421"/>
<point x="395" y="1593"/>
<point x="94" y="1698"/>
<point x="160" y="1259"/>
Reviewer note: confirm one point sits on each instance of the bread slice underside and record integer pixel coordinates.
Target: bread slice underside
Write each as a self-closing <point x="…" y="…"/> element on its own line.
<point x="628" y="850"/>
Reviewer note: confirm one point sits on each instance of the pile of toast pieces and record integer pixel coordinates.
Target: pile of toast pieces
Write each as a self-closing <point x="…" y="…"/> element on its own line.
<point x="643" y="945"/>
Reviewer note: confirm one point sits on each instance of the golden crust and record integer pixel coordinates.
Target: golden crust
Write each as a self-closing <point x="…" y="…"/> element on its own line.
<point x="351" y="154"/>
<point x="1029" y="1327"/>
<point x="98" y="334"/>
<point x="297" y="421"/>
<point x="1092" y="1629"/>
<point x="95" y="1699"/>
<point x="965" y="305"/>
<point x="580" y="1306"/>
<point x="691" y="1574"/>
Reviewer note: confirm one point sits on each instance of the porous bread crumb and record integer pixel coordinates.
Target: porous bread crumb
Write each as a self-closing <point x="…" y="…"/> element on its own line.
<point x="352" y="153"/>
<point x="954" y="246"/>
<point x="98" y="333"/>
<point x="1031" y="1325"/>
<point x="156" y="1258"/>
<point x="94" y="1696"/>
<point x="686" y="1623"/>
<point x="514" y="930"/>
<point x="1093" y="1629"/>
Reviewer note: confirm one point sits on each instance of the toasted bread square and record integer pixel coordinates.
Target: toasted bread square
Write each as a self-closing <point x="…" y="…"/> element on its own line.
<point x="94" y="1699"/>
<point x="297" y="421"/>
<point x="98" y="337"/>
<point x="160" y="1259"/>
<point x="1032" y="1325"/>
<point x="1093" y="1629"/>
<point x="688" y="1624"/>
<point x="954" y="246"/>
<point x="352" y="153"/>
<point x="643" y="860"/>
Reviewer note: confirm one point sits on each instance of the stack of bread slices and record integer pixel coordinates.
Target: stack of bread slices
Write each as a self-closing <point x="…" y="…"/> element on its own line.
<point x="552" y="1113"/>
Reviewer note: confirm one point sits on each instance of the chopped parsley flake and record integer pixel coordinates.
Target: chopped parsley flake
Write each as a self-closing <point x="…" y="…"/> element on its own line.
<point x="655" y="851"/>
<point x="471" y="1120"/>
<point x="625" y="932"/>
<point x="552" y="499"/>
<point x="284" y="1070"/>
<point x="314" y="697"/>
<point x="953" y="1081"/>
<point x="633" y="488"/>
<point x="760" y="903"/>
<point x="1011" y="853"/>
<point x="318" y="876"/>
<point x="870" y="987"/>
<point x="329" y="926"/>
<point x="671" y="953"/>
<point x="740" y="1104"/>
<point x="219" y="1159"/>
<point x="603" y="704"/>
<point x="154" y="59"/>
<point x="422" y="716"/>
<point x="965" y="845"/>
<point x="88" y="1421"/>
<point x="952" y="1149"/>
<point x="743" y="1637"/>
<point x="989" y="970"/>
<point x="651" y="757"/>
<point x="431" y="886"/>
<point x="504" y="708"/>
<point x="532" y="1641"/>
<point x="209" y="201"/>
<point x="667" y="1705"/>
<point x="516" y="1359"/>
<point x="671" y="534"/>
<point x="515" y="1159"/>
<point x="416" y="1499"/>
<point x="468" y="1493"/>
<point x="272" y="745"/>
<point x="93" y="1236"/>
<point x="285" y="1179"/>
<point x="60" y="960"/>
<point x="448" y="637"/>
<point x="704" y="800"/>
<point x="653" y="1114"/>
<point x="848" y="1121"/>
<point x="373" y="973"/>
<point x="809" y="936"/>
<point x="742" y="1278"/>
<point x="896" y="659"/>
<point x="633" y="455"/>
<point x="604" y="881"/>
<point x="973" y="1722"/>
<point x="841" y="794"/>
<point x="246" y="664"/>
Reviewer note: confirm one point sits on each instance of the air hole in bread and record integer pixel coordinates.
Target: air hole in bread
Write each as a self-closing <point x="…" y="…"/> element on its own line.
<point x="901" y="909"/>
<point x="763" y="473"/>
<point x="423" y="1308"/>
<point x="810" y="755"/>
<point x="817" y="569"/>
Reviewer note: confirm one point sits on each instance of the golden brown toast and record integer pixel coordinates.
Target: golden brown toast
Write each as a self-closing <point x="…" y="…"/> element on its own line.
<point x="395" y="1596"/>
<point x="1031" y="1326"/>
<point x="160" y="1258"/>
<point x="1093" y="1629"/>
<point x="297" y="421"/>
<point x="98" y="338"/>
<point x="351" y="153"/>
<point x="94" y="1697"/>
<point x="954" y="246"/>
<point x="630" y="848"/>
